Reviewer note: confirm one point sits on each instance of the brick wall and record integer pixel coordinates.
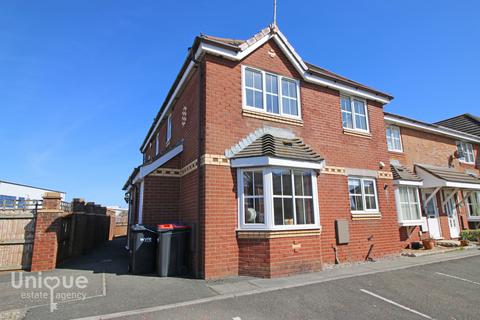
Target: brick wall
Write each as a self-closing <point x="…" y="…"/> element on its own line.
<point x="322" y="129"/>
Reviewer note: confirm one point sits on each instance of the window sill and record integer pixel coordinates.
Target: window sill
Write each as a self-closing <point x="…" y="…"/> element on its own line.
<point x="467" y="163"/>
<point x="476" y="219"/>
<point x="366" y="216"/>
<point x="270" y="117"/>
<point x="357" y="133"/>
<point x="273" y="234"/>
<point x="395" y="151"/>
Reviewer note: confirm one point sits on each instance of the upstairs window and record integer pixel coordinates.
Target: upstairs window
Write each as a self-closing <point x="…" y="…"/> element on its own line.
<point x="157" y="144"/>
<point x="363" y="195"/>
<point x="270" y="93"/>
<point x="168" y="136"/>
<point x="394" y="141"/>
<point x="465" y="151"/>
<point x="354" y="114"/>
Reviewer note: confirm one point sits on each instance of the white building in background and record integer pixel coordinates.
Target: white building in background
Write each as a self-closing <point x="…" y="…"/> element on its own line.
<point x="15" y="191"/>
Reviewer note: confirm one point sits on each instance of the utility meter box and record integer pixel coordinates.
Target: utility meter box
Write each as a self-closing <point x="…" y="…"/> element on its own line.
<point x="342" y="231"/>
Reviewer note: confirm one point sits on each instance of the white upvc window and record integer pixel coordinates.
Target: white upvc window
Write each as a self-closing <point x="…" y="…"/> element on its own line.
<point x="277" y="199"/>
<point x="466" y="152"/>
<point x="354" y="113"/>
<point x="408" y="205"/>
<point x="363" y="195"/>
<point x="157" y="144"/>
<point x="270" y="93"/>
<point x="394" y="140"/>
<point x="473" y="204"/>
<point x="168" y="135"/>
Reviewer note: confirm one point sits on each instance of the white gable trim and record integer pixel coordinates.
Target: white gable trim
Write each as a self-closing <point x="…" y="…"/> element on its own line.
<point x="145" y="170"/>
<point x="286" y="48"/>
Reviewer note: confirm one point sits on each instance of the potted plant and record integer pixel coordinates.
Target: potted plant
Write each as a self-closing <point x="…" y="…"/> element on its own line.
<point x="428" y="243"/>
<point x="464" y="241"/>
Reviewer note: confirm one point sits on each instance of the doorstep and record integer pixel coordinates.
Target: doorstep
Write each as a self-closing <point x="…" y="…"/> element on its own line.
<point x="436" y="250"/>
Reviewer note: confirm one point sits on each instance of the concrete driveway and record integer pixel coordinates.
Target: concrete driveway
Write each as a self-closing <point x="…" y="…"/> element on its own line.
<point x="109" y="288"/>
<point x="436" y="286"/>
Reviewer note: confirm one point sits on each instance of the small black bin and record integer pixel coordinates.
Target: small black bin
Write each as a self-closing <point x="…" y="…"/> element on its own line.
<point x="172" y="249"/>
<point x="143" y="245"/>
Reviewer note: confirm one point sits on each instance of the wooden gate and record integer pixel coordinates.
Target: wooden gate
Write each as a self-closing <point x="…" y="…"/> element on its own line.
<point x="17" y="231"/>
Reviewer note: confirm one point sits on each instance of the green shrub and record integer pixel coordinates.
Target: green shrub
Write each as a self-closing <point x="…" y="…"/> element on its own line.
<point x="471" y="235"/>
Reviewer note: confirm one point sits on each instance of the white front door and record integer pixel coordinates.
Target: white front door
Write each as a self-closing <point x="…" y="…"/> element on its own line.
<point x="432" y="215"/>
<point x="451" y="210"/>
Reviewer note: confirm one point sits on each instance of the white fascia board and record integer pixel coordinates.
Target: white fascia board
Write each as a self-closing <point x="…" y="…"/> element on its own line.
<point x="169" y="104"/>
<point x="302" y="68"/>
<point x="269" y="161"/>
<point x="463" y="185"/>
<point x="149" y="168"/>
<point x="286" y="48"/>
<point x="409" y="124"/>
<point x="408" y="183"/>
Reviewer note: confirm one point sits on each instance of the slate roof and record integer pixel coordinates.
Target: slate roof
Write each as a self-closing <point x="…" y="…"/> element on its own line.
<point x="403" y="173"/>
<point x="270" y="146"/>
<point x="449" y="174"/>
<point x="467" y="123"/>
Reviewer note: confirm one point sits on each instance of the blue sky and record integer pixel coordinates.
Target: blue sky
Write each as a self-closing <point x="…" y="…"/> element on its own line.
<point x="80" y="81"/>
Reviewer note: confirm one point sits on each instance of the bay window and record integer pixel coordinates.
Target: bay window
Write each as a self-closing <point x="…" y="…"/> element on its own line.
<point x="270" y="93"/>
<point x="277" y="198"/>
<point x="408" y="205"/>
<point x="363" y="195"/>
<point x="473" y="204"/>
<point x="466" y="152"/>
<point x="354" y="113"/>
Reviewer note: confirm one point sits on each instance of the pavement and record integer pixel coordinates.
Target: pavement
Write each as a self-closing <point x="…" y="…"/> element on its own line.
<point x="336" y="293"/>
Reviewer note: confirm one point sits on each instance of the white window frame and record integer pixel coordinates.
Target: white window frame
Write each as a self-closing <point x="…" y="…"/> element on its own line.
<point x="352" y="106"/>
<point x="467" y="149"/>
<point x="168" y="135"/>
<point x="269" y="223"/>
<point x="264" y="94"/>
<point x="365" y="210"/>
<point x="401" y="220"/>
<point x="157" y="144"/>
<point x="468" y="203"/>
<point x="394" y="128"/>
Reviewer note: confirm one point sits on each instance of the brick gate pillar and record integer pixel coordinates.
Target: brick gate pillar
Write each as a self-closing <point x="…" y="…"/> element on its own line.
<point x="47" y="225"/>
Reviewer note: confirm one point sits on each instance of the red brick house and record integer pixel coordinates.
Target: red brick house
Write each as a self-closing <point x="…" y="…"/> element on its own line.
<point x="436" y="177"/>
<point x="279" y="165"/>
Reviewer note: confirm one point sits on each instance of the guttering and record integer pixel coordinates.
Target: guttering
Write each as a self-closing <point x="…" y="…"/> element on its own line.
<point x="408" y="183"/>
<point x="235" y="55"/>
<point x="270" y="161"/>
<point x="145" y="170"/>
<point x="429" y="128"/>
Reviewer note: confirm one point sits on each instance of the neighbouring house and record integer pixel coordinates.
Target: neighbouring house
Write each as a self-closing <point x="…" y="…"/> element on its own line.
<point x="468" y="123"/>
<point x="13" y="193"/>
<point x="278" y="165"/>
<point x="436" y="177"/>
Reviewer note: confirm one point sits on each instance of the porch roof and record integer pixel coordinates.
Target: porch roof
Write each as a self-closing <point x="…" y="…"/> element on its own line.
<point x="403" y="174"/>
<point x="435" y="177"/>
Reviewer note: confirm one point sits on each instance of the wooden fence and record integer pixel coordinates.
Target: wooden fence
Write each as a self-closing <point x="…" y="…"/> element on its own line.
<point x="17" y="230"/>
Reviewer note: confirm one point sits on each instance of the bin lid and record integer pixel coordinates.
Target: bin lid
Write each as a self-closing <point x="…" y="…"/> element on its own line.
<point x="171" y="226"/>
